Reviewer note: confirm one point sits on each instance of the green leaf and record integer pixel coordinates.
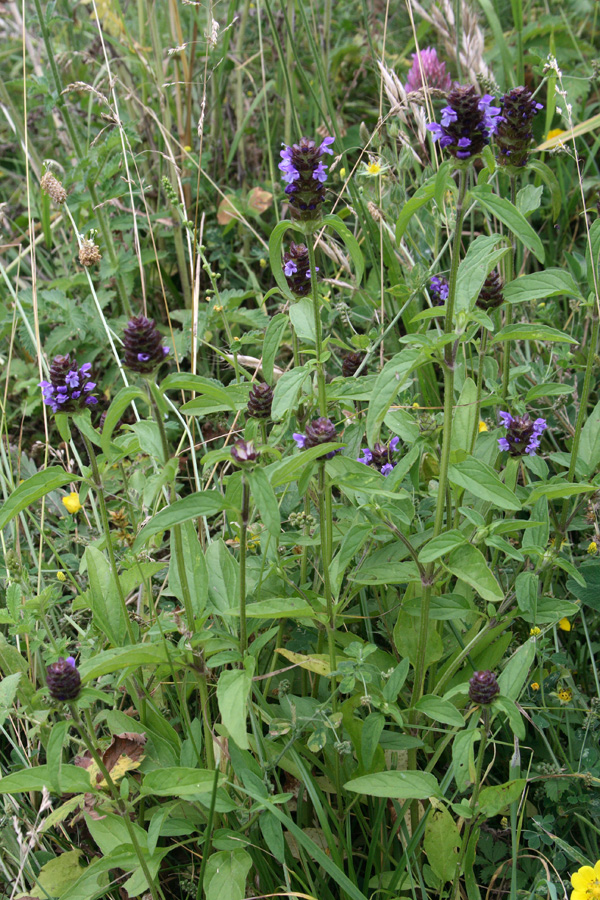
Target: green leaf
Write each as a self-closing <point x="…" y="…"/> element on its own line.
<point x="179" y="781"/>
<point x="440" y="710"/>
<point x="352" y="245"/>
<point x="593" y="261"/>
<point x="74" y="780"/>
<point x="407" y="639"/>
<point x="547" y="283"/>
<point x="275" y="242"/>
<point x="590" y="592"/>
<point x="369" y="739"/>
<point x="386" y="573"/>
<point x="550" y="389"/>
<point x="397" y="785"/>
<point x="226" y="873"/>
<point x="463" y="757"/>
<point x="287" y="390"/>
<point x="119" y="658"/>
<point x="185" y="381"/>
<point x="223" y="575"/>
<point x="589" y="442"/>
<point x="493" y="799"/>
<point x="266" y="501"/>
<point x="441" y="545"/>
<point x="290" y="469"/>
<point x="303" y="319"/>
<point x="515" y="672"/>
<point x="441" y="843"/>
<point x="392" y="377"/>
<point x="469" y="565"/>
<point x="57" y="875"/>
<point x="421" y="196"/>
<point x="202" y="503"/>
<point x="463" y="421"/>
<point x="481" y="480"/>
<point x="105" y="601"/>
<point x="510" y="216"/>
<point x="195" y="568"/>
<point x="232" y="697"/>
<point x="8" y="692"/>
<point x="277" y="608"/>
<point x="480" y="259"/>
<point x="32" y="490"/>
<point x="515" y="718"/>
<point x="551" y="181"/>
<point x="273" y="334"/>
<point x="559" y="489"/>
<point x="524" y="331"/>
<point x="118" y="405"/>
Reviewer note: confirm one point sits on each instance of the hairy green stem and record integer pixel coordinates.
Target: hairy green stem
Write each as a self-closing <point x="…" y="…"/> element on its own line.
<point x="106" y="528"/>
<point x="318" y="328"/>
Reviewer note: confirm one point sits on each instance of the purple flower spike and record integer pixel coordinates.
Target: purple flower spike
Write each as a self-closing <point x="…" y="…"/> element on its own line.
<point x="320" y="431"/>
<point x="144" y="350"/>
<point x="522" y="435"/>
<point x="515" y="129"/>
<point x="305" y="174"/>
<point x="295" y="269"/>
<point x="63" y="392"/>
<point x="63" y="680"/>
<point x="380" y="457"/>
<point x="439" y="290"/>
<point x="467" y="122"/>
<point x="427" y="70"/>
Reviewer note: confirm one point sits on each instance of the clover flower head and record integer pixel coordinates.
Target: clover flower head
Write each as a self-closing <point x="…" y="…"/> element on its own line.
<point x="304" y="173"/>
<point x="522" y="435"/>
<point x="69" y="389"/>
<point x="427" y="70"/>
<point x="381" y="456"/>
<point x="467" y="122"/>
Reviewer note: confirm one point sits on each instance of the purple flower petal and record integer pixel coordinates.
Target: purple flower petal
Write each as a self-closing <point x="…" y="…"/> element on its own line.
<point x="300" y="440"/>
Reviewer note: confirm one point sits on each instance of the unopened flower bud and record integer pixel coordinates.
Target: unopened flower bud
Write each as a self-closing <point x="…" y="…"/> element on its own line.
<point x="143" y="343"/>
<point x="260" y="401"/>
<point x="491" y="296"/>
<point x="63" y="679"/>
<point x="244" y="452"/>
<point x="483" y="687"/>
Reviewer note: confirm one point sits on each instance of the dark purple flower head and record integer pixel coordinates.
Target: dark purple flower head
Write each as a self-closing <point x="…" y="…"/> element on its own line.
<point x="491" y="296"/>
<point x="144" y="349"/>
<point x="483" y="687"/>
<point x="467" y="122"/>
<point x="297" y="270"/>
<point x="515" y="133"/>
<point x="438" y="290"/>
<point x="243" y="453"/>
<point x="351" y="364"/>
<point x="260" y="401"/>
<point x="429" y="70"/>
<point x="69" y="389"/>
<point x="522" y="435"/>
<point x="63" y="679"/>
<point x="380" y="457"/>
<point x="320" y="431"/>
<point x="305" y="174"/>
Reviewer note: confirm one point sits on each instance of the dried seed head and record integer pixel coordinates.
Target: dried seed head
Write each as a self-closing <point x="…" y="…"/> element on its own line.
<point x="52" y="186"/>
<point x="89" y="253"/>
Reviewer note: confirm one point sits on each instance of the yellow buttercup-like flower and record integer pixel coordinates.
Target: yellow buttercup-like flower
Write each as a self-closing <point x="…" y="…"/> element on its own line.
<point x="592" y="547"/>
<point x="535" y="631"/>
<point x="565" y="695"/>
<point x="534" y="686"/>
<point x="61" y="576"/>
<point x="586" y="883"/>
<point x="564" y="625"/>
<point x="554" y="133"/>
<point x="71" y="503"/>
<point x="482" y="426"/>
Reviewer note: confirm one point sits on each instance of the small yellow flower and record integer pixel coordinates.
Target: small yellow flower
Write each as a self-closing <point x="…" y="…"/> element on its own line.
<point x="565" y="695"/>
<point x="187" y="148"/>
<point x="236" y="339"/>
<point x="535" y="631"/>
<point x="416" y="405"/>
<point x="218" y="308"/>
<point x="564" y="625"/>
<point x="262" y="262"/>
<point x="586" y="883"/>
<point x="554" y="133"/>
<point x="71" y="503"/>
<point x="60" y="576"/>
<point x="342" y="172"/>
<point x="534" y="686"/>
<point x="592" y="547"/>
<point x="504" y="822"/>
<point x="374" y="168"/>
<point x="482" y="426"/>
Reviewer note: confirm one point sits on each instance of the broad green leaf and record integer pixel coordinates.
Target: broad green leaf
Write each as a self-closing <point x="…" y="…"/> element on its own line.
<point x="273" y="334"/>
<point x="481" y="480"/>
<point x="390" y="380"/>
<point x="202" y="503"/>
<point x="226" y="873"/>
<point x="593" y="261"/>
<point x="469" y="565"/>
<point x="510" y="216"/>
<point x="551" y="181"/>
<point x="397" y="785"/>
<point x="179" y="781"/>
<point x="463" y="420"/>
<point x="352" y="245"/>
<point x="440" y="710"/>
<point x="493" y="799"/>
<point x="526" y="587"/>
<point x="223" y="575"/>
<point x="551" y="389"/>
<point x="538" y="285"/>
<point x="119" y="658"/>
<point x="353" y="540"/>
<point x="480" y="259"/>
<point x="407" y="635"/>
<point x="118" y="405"/>
<point x="232" y="697"/>
<point x="589" y="442"/>
<point x="275" y="254"/>
<point x="32" y="490"/>
<point x="515" y="672"/>
<point x="369" y="739"/>
<point x="441" y="843"/>
<point x="57" y="875"/>
<point x="559" y="489"/>
<point x="515" y="718"/>
<point x="195" y="568"/>
<point x="441" y="545"/>
<point x="277" y="608"/>
<point x="524" y="331"/>
<point x="463" y="757"/>
<point x="317" y="663"/>
<point x="590" y="592"/>
<point x="107" y="609"/>
<point x="302" y="318"/>
<point x="422" y="195"/>
<point x="8" y="692"/>
<point x="186" y="381"/>
<point x="290" y="469"/>
<point x="529" y="198"/>
<point x="74" y="780"/>
<point x="390" y="573"/>
<point x="209" y="402"/>
<point x="287" y="390"/>
<point x="265" y="500"/>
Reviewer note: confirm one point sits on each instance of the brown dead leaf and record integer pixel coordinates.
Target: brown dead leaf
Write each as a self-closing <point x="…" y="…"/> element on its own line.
<point x="227" y="211"/>
<point x="260" y="200"/>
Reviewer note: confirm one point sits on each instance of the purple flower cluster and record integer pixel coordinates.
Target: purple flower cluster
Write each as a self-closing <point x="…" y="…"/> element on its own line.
<point x="296" y="269"/>
<point x="69" y="389"/>
<point x="467" y="123"/>
<point x="320" y="431"/>
<point x="63" y="679"/>
<point x="305" y="174"/>
<point x="427" y="70"/>
<point x="483" y="687"/>
<point x="522" y="435"/>
<point x="515" y="133"/>
<point x="380" y="457"/>
<point x="144" y="349"/>
<point x="439" y="290"/>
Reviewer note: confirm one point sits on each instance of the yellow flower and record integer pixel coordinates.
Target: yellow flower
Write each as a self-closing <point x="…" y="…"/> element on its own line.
<point x="187" y="148"/>
<point x="416" y="405"/>
<point x="592" y="547"/>
<point x="482" y="426"/>
<point x="262" y="262"/>
<point x="535" y="631"/>
<point x="342" y="172"/>
<point x="565" y="695"/>
<point x="554" y="133"/>
<point x="534" y="686"/>
<point x="71" y="503"/>
<point x="586" y="883"/>
<point x="374" y="168"/>
<point x="504" y="822"/>
<point x="564" y="625"/>
<point x="60" y="576"/>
